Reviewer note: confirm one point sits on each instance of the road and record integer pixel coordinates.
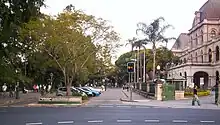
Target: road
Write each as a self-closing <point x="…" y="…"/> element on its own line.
<point x="108" y="115"/>
<point x="111" y="96"/>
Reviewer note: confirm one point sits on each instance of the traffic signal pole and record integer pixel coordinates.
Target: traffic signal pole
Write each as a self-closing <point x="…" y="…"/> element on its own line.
<point x="130" y="85"/>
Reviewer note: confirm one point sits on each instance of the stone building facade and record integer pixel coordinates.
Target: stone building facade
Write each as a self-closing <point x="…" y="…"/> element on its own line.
<point x="198" y="49"/>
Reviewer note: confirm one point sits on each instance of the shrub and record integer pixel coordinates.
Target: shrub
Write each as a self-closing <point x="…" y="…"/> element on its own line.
<point x="200" y="93"/>
<point x="76" y="94"/>
<point x="84" y="97"/>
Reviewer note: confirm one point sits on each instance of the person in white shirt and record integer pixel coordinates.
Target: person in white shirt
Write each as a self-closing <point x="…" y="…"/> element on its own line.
<point x="4" y="89"/>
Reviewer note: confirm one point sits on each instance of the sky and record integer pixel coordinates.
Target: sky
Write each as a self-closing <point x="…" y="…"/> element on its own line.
<point x="125" y="14"/>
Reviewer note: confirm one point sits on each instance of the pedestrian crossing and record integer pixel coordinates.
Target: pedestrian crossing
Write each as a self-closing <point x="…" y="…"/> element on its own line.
<point x="122" y="106"/>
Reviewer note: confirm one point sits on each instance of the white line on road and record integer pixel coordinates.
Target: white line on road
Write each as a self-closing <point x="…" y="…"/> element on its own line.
<point x="152" y="120"/>
<point x="120" y="106"/>
<point x="105" y="106"/>
<point x="207" y="121"/>
<point x="180" y="121"/>
<point x="123" y="120"/>
<point x="95" y="121"/>
<point x="142" y="107"/>
<point x="66" y="122"/>
<point x="36" y="123"/>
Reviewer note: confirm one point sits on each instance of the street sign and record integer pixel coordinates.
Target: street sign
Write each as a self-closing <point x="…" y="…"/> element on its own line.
<point x="131" y="67"/>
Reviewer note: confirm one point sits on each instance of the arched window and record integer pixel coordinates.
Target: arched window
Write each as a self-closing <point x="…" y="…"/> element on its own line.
<point x="184" y="60"/>
<point x="210" y="55"/>
<point x="202" y="56"/>
<point x="191" y="57"/>
<point x="196" y="57"/>
<point x="217" y="76"/>
<point x="213" y="33"/>
<point x="196" y="39"/>
<point x="180" y="74"/>
<point x="191" y="42"/>
<point x="217" y="53"/>
<point x="201" y="36"/>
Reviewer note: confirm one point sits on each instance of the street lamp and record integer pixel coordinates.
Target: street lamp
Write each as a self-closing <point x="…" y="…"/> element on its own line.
<point x="51" y="78"/>
<point x="17" y="87"/>
<point x="158" y="69"/>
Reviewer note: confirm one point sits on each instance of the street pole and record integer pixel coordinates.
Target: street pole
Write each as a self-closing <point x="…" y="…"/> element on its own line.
<point x="144" y="77"/>
<point x="135" y="76"/>
<point x="130" y="86"/>
<point x="138" y="67"/>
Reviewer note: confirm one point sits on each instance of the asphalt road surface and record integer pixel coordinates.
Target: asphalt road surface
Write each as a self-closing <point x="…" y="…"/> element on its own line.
<point x="111" y="96"/>
<point x="108" y="115"/>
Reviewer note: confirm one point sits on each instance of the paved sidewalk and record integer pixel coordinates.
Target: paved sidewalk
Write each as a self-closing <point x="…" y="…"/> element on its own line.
<point x="206" y="103"/>
<point x="135" y="96"/>
<point x="23" y="100"/>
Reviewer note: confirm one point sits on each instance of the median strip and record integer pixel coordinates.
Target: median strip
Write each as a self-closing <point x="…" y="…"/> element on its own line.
<point x="66" y="122"/>
<point x="36" y="123"/>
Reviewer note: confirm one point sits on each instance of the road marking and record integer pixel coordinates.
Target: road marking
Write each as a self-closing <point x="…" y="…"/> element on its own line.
<point x="207" y="121"/>
<point x="180" y="121"/>
<point x="121" y="106"/>
<point x="142" y="107"/>
<point x="95" y="121"/>
<point x="123" y="120"/>
<point x="105" y="106"/>
<point x="36" y="123"/>
<point x="65" y="122"/>
<point x="151" y="120"/>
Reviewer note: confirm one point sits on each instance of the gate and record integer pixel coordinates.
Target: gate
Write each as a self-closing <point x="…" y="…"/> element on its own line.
<point x="168" y="92"/>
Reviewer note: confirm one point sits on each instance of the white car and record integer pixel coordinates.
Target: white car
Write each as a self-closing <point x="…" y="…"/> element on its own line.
<point x="95" y="89"/>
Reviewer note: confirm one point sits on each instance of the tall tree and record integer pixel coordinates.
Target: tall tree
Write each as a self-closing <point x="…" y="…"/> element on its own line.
<point x="154" y="34"/>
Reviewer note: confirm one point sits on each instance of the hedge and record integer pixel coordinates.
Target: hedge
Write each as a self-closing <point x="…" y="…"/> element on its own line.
<point x="85" y="97"/>
<point x="199" y="93"/>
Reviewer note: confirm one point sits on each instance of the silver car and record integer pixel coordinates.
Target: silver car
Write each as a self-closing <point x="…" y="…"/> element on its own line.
<point x="62" y="91"/>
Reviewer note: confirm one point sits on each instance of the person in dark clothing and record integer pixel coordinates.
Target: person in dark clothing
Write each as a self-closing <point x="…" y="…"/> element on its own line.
<point x="195" y="96"/>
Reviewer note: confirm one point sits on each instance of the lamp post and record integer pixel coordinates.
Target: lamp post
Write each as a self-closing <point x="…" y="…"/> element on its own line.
<point x="158" y="70"/>
<point x="17" y="88"/>
<point x="51" y="78"/>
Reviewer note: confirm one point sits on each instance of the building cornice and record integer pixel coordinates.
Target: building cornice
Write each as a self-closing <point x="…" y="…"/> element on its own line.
<point x="215" y="21"/>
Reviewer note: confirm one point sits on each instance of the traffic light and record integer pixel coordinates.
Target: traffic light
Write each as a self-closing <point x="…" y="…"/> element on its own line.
<point x="131" y="67"/>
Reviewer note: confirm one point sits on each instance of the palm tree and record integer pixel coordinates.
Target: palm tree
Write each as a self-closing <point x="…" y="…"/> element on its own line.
<point x="154" y="34"/>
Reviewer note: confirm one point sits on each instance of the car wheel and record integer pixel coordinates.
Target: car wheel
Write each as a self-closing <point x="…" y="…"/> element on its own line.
<point x="93" y="94"/>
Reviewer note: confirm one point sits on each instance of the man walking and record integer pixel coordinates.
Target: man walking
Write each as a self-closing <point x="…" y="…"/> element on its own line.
<point x="195" y="96"/>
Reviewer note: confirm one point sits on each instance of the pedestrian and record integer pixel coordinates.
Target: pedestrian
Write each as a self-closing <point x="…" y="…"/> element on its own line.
<point x="11" y="94"/>
<point x="195" y="96"/>
<point x="4" y="89"/>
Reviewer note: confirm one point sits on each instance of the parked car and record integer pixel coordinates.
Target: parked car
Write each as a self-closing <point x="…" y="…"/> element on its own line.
<point x="62" y="91"/>
<point x="88" y="93"/>
<point x="94" y="92"/>
<point x="94" y="89"/>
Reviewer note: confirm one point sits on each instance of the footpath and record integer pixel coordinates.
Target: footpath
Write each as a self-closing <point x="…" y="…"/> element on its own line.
<point x="206" y="102"/>
<point x="23" y="100"/>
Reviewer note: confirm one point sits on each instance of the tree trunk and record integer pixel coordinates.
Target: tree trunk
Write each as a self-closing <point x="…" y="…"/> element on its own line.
<point x="68" y="86"/>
